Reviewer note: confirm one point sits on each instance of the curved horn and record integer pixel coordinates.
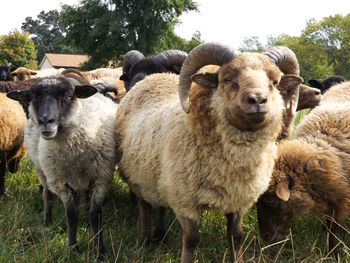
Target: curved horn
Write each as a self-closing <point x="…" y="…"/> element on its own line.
<point x="130" y="58"/>
<point x="204" y="54"/>
<point x="72" y="70"/>
<point x="171" y="58"/>
<point x="284" y="58"/>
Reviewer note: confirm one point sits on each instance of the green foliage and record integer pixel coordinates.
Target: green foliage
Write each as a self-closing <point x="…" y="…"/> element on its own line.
<point x="18" y="49"/>
<point x="251" y="44"/>
<point x="48" y="33"/>
<point x="23" y="238"/>
<point x="107" y="29"/>
<point x="332" y="35"/>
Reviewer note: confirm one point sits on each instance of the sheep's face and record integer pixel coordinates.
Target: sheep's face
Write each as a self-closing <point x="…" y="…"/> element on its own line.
<point x="308" y="97"/>
<point x="4" y="72"/>
<point x="248" y="87"/>
<point x="51" y="100"/>
<point x="22" y="74"/>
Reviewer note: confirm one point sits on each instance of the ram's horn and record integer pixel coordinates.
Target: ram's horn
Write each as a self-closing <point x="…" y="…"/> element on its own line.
<point x="204" y="54"/>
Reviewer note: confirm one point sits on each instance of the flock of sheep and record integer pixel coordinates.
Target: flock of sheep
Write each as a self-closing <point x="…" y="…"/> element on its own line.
<point x="206" y="130"/>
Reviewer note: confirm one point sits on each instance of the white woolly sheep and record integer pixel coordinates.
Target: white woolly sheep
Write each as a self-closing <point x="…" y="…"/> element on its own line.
<point x="220" y="155"/>
<point x="12" y="124"/>
<point x="70" y="138"/>
<point x="312" y="171"/>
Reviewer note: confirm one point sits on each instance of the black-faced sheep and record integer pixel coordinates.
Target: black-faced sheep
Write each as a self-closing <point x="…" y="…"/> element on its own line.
<point x="220" y="155"/>
<point x="312" y="171"/>
<point x="5" y="72"/>
<point x="136" y="67"/>
<point x="70" y="138"/>
<point x="328" y="82"/>
<point x="22" y="73"/>
<point x="12" y="124"/>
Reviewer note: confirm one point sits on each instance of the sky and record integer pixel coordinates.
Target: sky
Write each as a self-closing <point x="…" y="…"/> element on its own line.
<point x="225" y="21"/>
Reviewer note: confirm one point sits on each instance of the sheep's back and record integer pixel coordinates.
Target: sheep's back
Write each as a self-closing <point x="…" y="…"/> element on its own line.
<point x="12" y="123"/>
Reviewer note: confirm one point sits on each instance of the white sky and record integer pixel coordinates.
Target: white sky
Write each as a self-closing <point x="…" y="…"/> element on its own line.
<point x="225" y="21"/>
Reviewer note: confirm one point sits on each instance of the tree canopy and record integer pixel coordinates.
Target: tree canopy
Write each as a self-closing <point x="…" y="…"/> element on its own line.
<point x="18" y="49"/>
<point x="322" y="49"/>
<point x="48" y="34"/>
<point x="107" y="29"/>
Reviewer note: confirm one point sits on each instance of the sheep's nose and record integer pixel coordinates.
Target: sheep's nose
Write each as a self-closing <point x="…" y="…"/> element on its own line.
<point x="46" y="119"/>
<point x="256" y="99"/>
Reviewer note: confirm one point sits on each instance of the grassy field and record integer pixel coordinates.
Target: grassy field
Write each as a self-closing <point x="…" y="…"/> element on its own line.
<point x="24" y="239"/>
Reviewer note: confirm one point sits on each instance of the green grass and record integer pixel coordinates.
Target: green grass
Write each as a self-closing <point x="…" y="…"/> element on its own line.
<point x="23" y="238"/>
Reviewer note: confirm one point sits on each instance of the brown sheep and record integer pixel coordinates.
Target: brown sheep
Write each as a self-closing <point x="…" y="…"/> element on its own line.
<point x="22" y="73"/>
<point x="212" y="149"/>
<point x="12" y="149"/>
<point x="312" y="171"/>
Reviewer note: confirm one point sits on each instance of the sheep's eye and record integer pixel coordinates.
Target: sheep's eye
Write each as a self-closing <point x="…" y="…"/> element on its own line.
<point x="269" y="200"/>
<point x="275" y="82"/>
<point x="227" y="80"/>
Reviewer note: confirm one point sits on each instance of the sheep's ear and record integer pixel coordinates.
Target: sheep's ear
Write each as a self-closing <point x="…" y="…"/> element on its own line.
<point x="289" y="82"/>
<point x="315" y="83"/>
<point x="84" y="91"/>
<point x="20" y="95"/>
<point x="282" y="190"/>
<point x="13" y="74"/>
<point x="207" y="80"/>
<point x="33" y="73"/>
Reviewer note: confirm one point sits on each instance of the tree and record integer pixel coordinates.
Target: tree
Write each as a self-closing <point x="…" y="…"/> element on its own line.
<point x="332" y="35"/>
<point x="251" y="44"/>
<point x="47" y="32"/>
<point x="18" y="49"/>
<point x="106" y="29"/>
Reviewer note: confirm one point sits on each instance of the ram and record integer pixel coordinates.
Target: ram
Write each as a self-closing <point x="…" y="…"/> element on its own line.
<point x="136" y="67"/>
<point x="312" y="171"/>
<point x="212" y="149"/>
<point x="70" y="138"/>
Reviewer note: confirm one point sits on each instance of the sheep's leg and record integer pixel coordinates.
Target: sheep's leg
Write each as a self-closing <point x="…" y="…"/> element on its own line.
<point x="234" y="235"/>
<point x="95" y="214"/>
<point x="3" y="174"/>
<point x="47" y="197"/>
<point x="190" y="238"/>
<point x="67" y="198"/>
<point x="145" y="211"/>
<point x="159" y="231"/>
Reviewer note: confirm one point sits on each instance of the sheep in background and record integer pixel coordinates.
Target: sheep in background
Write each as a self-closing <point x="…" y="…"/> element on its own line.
<point x="96" y="74"/>
<point x="312" y="171"/>
<point x="326" y="83"/>
<point x="22" y="73"/>
<point x="70" y="138"/>
<point x="220" y="155"/>
<point x="5" y="72"/>
<point x="12" y="149"/>
<point x="136" y="67"/>
<point x="309" y="97"/>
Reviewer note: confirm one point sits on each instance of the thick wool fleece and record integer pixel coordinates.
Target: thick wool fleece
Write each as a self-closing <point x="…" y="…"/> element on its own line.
<point x="12" y="123"/>
<point x="82" y="155"/>
<point x="317" y="161"/>
<point x="187" y="161"/>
